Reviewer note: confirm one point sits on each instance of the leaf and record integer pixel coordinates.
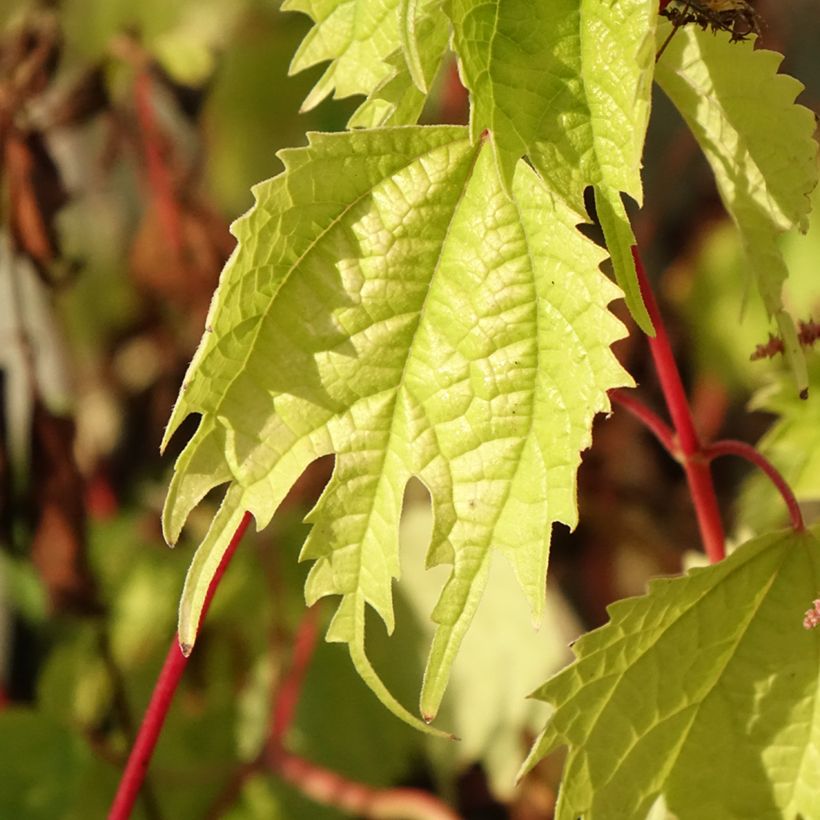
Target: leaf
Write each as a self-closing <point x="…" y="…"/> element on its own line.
<point x="792" y="444"/>
<point x="408" y="14"/>
<point x="355" y="35"/>
<point x="703" y="691"/>
<point x="759" y="144"/>
<point x="567" y="83"/>
<point x="501" y="650"/>
<point x="389" y="303"/>
<point x="397" y="100"/>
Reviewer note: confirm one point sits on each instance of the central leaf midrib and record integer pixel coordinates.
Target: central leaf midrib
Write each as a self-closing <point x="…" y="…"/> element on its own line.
<point x="421" y="314"/>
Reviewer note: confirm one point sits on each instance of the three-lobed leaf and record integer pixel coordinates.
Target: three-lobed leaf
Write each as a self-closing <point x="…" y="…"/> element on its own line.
<point x="389" y="302"/>
<point x="704" y="691"/>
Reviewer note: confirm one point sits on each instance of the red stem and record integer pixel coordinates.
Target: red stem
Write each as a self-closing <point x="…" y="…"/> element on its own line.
<point x="323" y="785"/>
<point x="159" y="176"/>
<point x="692" y="458"/>
<point x="743" y="450"/>
<point x="649" y="418"/>
<point x="287" y="698"/>
<point x="330" y="789"/>
<point x="161" y="697"/>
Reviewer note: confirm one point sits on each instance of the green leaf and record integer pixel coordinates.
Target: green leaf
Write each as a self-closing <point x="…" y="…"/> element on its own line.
<point x="355" y="35"/>
<point x="398" y="100"/>
<point x="760" y="146"/>
<point x="389" y="303"/>
<point x="792" y="444"/>
<point x="501" y="651"/>
<point x="567" y="83"/>
<point x="409" y="11"/>
<point x="704" y="691"/>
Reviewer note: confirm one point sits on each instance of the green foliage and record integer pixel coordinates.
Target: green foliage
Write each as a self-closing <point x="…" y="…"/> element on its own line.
<point x="792" y="444"/>
<point x="463" y="337"/>
<point x="759" y="144"/>
<point x="43" y="764"/>
<point x="399" y="98"/>
<point x="568" y="84"/>
<point x="355" y="35"/>
<point x="731" y="731"/>
<point x="501" y="650"/>
<point x="420" y="303"/>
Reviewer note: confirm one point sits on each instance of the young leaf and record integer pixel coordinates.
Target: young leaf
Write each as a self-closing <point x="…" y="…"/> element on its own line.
<point x="388" y="302"/>
<point x="355" y="35"/>
<point x="703" y="691"/>
<point x="792" y="444"/>
<point x="409" y="11"/>
<point x="760" y="146"/>
<point x="567" y="83"/>
<point x="397" y="100"/>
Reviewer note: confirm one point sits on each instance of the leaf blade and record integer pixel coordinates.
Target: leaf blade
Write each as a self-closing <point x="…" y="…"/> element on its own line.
<point x="568" y="84"/>
<point x="745" y="687"/>
<point x="760" y="146"/>
<point x="389" y="303"/>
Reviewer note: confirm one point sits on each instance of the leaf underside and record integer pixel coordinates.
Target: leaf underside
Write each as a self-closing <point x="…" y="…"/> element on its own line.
<point x="759" y="143"/>
<point x="389" y="302"/>
<point x="355" y="36"/>
<point x="567" y="83"/>
<point x="704" y="691"/>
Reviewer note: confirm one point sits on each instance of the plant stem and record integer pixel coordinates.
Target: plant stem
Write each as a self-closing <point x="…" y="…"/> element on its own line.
<point x="691" y="455"/>
<point x="323" y="785"/>
<point x="650" y="419"/>
<point x="289" y="690"/>
<point x="331" y="789"/>
<point x="159" y="174"/>
<point x="161" y="697"/>
<point x="753" y="455"/>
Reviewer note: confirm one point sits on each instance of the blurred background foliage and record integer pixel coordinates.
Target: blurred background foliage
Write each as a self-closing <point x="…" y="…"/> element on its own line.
<point x="130" y="136"/>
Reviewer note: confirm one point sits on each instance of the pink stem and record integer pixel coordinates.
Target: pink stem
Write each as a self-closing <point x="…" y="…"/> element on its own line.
<point x="323" y="785"/>
<point x="161" y="697"/>
<point x="649" y="418"/>
<point x="331" y="789"/>
<point x="743" y="450"/>
<point x="695" y="464"/>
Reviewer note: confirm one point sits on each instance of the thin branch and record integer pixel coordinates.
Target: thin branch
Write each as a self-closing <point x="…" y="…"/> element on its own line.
<point x="695" y="464"/>
<point x="752" y="454"/>
<point x="331" y="789"/>
<point x="122" y="709"/>
<point x="287" y="696"/>
<point x="649" y="418"/>
<point x="163" y="694"/>
<point x="323" y="785"/>
<point x="159" y="176"/>
<point x="662" y="6"/>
